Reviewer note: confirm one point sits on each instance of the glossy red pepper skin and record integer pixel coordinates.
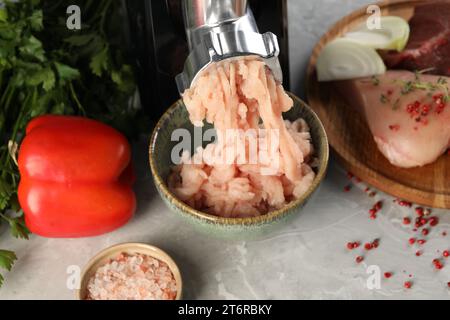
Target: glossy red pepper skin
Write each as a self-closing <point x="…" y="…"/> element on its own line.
<point x="76" y="177"/>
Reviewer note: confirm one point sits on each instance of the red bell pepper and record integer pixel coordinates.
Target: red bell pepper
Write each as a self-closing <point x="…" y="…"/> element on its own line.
<point x="76" y="177"/>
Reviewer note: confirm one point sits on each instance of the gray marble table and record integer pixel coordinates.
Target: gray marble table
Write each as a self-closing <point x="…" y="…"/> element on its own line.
<point x="306" y="259"/>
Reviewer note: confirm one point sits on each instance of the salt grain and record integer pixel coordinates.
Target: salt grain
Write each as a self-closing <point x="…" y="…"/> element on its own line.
<point x="133" y="277"/>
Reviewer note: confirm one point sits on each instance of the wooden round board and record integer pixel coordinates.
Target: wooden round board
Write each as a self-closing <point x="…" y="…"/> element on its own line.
<point x="351" y="139"/>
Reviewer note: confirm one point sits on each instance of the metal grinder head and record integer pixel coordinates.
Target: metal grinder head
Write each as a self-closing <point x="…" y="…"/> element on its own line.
<point x="223" y="29"/>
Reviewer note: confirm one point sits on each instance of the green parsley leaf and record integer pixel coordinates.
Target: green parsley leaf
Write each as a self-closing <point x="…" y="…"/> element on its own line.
<point x="3" y="15"/>
<point x="35" y="20"/>
<point x="18" y="228"/>
<point x="58" y="109"/>
<point x="124" y="79"/>
<point x="6" y="191"/>
<point x="14" y="203"/>
<point x="65" y="72"/>
<point x="99" y="62"/>
<point x="46" y="77"/>
<point x="79" y="40"/>
<point x="32" y="48"/>
<point x="17" y="225"/>
<point x="7" y="259"/>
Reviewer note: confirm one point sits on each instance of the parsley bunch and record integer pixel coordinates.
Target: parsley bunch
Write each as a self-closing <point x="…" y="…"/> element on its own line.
<point x="47" y="69"/>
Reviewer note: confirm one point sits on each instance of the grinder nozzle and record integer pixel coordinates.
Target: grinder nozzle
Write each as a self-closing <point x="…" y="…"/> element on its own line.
<point x="223" y="29"/>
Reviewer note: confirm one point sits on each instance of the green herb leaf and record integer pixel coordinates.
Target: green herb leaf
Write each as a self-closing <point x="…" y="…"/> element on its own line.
<point x="6" y="191"/>
<point x="7" y="259"/>
<point x="124" y="79"/>
<point x="375" y="81"/>
<point x="42" y="104"/>
<point x="407" y="88"/>
<point x="58" y="109"/>
<point x="17" y="225"/>
<point x="32" y="48"/>
<point x="66" y="73"/>
<point x="92" y="47"/>
<point x="442" y="81"/>
<point x="430" y="87"/>
<point x="396" y="105"/>
<point x="35" y="20"/>
<point x="11" y="31"/>
<point x="99" y="62"/>
<point x="3" y="15"/>
<point x="79" y="40"/>
<point x="14" y="203"/>
<point x="116" y="77"/>
<point x="46" y="77"/>
<point x="18" y="228"/>
<point x="383" y="99"/>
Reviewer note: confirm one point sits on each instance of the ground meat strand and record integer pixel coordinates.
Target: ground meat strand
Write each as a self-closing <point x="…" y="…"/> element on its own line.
<point x="236" y="94"/>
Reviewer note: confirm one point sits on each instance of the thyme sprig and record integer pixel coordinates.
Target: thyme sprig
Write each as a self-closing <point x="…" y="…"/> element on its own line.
<point x="417" y="84"/>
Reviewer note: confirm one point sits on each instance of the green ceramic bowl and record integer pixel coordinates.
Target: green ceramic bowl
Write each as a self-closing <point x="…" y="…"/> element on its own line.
<point x="160" y="163"/>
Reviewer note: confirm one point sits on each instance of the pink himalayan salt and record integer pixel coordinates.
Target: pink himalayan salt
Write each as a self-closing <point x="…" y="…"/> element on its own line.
<point x="236" y="94"/>
<point x="133" y="277"/>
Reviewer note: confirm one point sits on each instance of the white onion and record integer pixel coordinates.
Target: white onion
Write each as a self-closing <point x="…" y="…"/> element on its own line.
<point x="344" y="59"/>
<point x="393" y="34"/>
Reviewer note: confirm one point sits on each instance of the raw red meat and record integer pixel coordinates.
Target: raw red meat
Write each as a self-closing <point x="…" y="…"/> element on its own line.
<point x="429" y="43"/>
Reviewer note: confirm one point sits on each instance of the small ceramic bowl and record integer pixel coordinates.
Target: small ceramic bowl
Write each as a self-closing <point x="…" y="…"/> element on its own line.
<point x="160" y="163"/>
<point x="105" y="255"/>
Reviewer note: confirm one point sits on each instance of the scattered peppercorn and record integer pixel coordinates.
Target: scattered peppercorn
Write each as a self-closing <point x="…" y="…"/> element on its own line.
<point x="407" y="284"/>
<point x="438" y="264"/>
<point x="378" y="205"/>
<point x="403" y="203"/>
<point x="434" y="221"/>
<point x="420" y="222"/>
<point x="374" y="210"/>
<point x="375" y="243"/>
<point x="419" y="211"/>
<point x="353" y="245"/>
<point x="421" y="241"/>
